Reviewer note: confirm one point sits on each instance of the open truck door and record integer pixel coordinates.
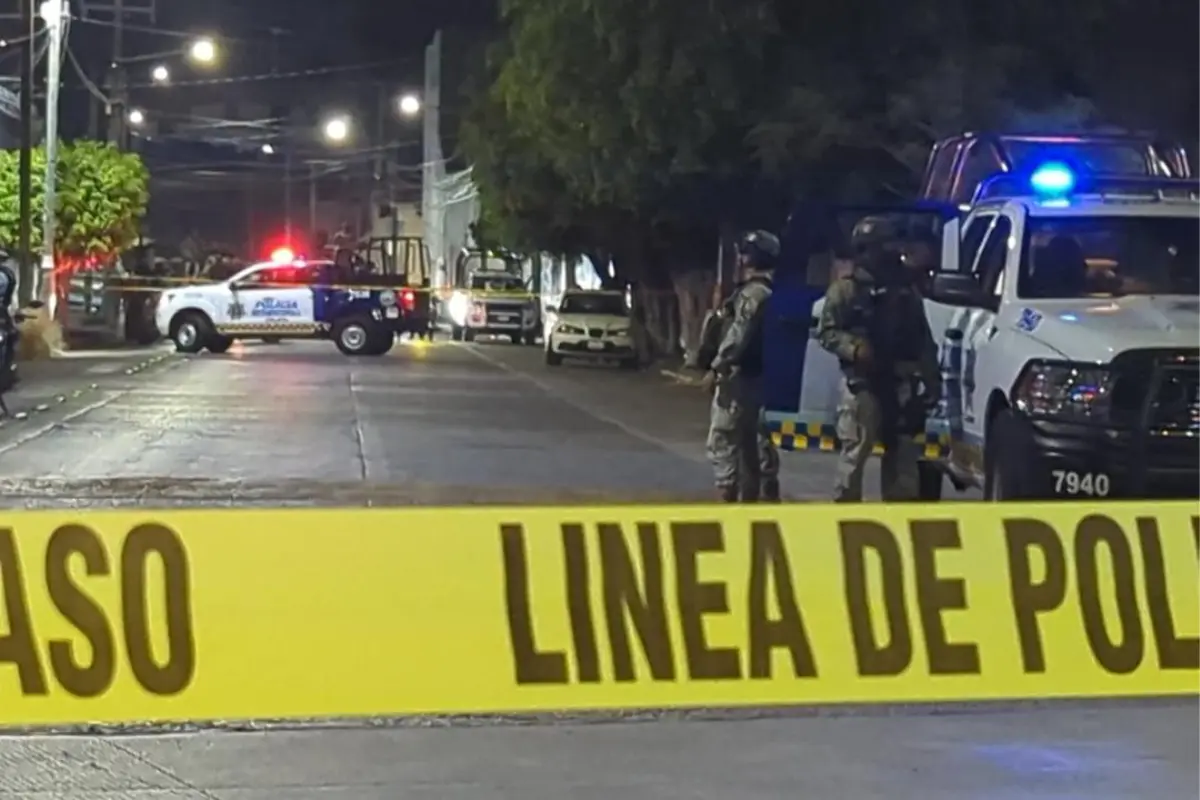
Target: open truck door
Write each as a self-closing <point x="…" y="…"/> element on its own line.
<point x="802" y="381"/>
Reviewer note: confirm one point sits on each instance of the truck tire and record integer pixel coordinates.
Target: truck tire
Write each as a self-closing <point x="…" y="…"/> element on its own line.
<point x="190" y="331"/>
<point x="456" y="333"/>
<point x="468" y="335"/>
<point x="218" y="344"/>
<point x="353" y="335"/>
<point x="1006" y="465"/>
<point x="382" y="342"/>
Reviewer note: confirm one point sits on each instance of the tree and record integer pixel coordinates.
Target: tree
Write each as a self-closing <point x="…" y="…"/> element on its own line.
<point x="643" y="128"/>
<point x="102" y="197"/>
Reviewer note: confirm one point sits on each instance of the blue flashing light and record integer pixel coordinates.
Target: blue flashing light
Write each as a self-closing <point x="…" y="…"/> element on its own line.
<point x="1053" y="179"/>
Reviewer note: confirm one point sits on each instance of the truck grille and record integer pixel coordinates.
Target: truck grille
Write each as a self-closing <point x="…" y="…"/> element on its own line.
<point x="1158" y="389"/>
<point x="1175" y="406"/>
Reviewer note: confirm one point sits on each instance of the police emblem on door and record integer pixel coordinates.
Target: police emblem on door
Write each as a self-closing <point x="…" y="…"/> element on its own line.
<point x="236" y="311"/>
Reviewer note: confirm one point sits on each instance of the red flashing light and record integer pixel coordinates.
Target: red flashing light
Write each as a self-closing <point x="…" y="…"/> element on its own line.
<point x="283" y="255"/>
<point x="408" y="300"/>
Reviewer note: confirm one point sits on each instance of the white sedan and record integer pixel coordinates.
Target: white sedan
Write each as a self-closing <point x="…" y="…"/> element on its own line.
<point x="589" y="324"/>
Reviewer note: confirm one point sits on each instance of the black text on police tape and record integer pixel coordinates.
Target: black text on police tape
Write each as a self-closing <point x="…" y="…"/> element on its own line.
<point x="89" y="670"/>
<point x="632" y="600"/>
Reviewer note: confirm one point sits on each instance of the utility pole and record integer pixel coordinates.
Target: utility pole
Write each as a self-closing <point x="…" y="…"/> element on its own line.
<point x="116" y="82"/>
<point x="25" y="278"/>
<point x="55" y="15"/>
<point x="287" y="187"/>
<point x="312" y="203"/>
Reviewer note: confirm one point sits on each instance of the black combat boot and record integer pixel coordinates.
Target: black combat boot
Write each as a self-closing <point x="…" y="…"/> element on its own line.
<point x="770" y="491"/>
<point x="727" y="494"/>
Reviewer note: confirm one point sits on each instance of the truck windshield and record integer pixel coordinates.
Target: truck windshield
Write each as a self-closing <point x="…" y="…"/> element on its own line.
<point x="481" y="283"/>
<point x="605" y="304"/>
<point x="1107" y="256"/>
<point x="1096" y="158"/>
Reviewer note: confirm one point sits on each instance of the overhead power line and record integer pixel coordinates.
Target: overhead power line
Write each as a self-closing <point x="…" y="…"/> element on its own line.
<point x="276" y="76"/>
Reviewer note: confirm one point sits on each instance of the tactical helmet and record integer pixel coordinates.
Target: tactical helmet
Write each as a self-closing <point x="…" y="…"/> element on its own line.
<point x="760" y="248"/>
<point x="874" y="233"/>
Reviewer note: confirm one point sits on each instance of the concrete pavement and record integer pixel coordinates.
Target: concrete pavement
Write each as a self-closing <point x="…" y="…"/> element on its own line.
<point x="299" y="424"/>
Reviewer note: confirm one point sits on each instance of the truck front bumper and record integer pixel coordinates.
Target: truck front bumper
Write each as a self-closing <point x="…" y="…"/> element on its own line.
<point x="1073" y="461"/>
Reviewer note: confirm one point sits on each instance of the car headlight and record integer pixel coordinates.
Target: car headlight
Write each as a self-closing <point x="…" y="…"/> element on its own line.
<point x="1072" y="392"/>
<point x="570" y="329"/>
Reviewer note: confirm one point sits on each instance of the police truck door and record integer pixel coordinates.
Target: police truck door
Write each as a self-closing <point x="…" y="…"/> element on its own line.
<point x="277" y="300"/>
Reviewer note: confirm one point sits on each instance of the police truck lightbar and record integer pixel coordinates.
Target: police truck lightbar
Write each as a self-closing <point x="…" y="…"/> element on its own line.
<point x="1052" y="179"/>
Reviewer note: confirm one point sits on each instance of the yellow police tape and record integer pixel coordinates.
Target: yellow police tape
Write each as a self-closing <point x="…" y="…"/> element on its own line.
<point x="138" y="284"/>
<point x="122" y="616"/>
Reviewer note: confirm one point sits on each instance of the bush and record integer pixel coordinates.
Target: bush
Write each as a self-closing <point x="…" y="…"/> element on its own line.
<point x="41" y="336"/>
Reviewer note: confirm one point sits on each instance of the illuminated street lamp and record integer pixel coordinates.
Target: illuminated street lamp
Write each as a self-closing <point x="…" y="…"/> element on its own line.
<point x="160" y="74"/>
<point x="337" y="129"/>
<point x="203" y="50"/>
<point x="136" y="117"/>
<point x="410" y="105"/>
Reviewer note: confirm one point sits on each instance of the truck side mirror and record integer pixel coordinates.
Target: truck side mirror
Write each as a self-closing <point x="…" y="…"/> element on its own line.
<point x="956" y="289"/>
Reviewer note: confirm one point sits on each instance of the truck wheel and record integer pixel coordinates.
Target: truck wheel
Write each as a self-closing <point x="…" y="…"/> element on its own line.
<point x="190" y="330"/>
<point x="930" y="481"/>
<point x="1006" y="467"/>
<point x="382" y="342"/>
<point x="468" y="335"/>
<point x="456" y="333"/>
<point x="218" y="344"/>
<point x="353" y="336"/>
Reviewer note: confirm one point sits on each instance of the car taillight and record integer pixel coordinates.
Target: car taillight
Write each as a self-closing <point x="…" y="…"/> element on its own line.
<point x="408" y="300"/>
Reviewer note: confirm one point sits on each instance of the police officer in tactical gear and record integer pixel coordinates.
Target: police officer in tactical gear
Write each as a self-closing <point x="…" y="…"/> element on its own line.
<point x="874" y="322"/>
<point x="745" y="462"/>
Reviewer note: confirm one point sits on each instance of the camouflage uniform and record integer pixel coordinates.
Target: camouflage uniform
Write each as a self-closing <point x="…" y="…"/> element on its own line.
<point x="745" y="462"/>
<point x="874" y="322"/>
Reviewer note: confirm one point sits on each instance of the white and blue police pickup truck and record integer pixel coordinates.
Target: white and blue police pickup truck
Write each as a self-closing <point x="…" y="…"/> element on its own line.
<point x="287" y="300"/>
<point x="1068" y="318"/>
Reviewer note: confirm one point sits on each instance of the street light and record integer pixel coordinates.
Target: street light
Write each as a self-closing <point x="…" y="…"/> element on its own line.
<point x="160" y="74"/>
<point x="410" y="105"/>
<point x="203" y="50"/>
<point x="337" y="129"/>
<point x="136" y="117"/>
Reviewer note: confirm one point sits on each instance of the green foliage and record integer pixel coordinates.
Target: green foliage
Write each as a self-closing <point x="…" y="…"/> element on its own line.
<point x="102" y="199"/>
<point x="102" y="195"/>
<point x="648" y="125"/>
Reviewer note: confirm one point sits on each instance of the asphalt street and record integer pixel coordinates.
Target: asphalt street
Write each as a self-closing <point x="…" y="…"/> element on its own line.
<point x="299" y="424"/>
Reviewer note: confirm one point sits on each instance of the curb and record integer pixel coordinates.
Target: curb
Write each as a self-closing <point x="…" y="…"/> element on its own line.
<point x="61" y="399"/>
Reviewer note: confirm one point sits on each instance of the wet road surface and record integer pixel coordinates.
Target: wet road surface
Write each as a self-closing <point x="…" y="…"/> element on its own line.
<point x="300" y="424"/>
<point x="1075" y="754"/>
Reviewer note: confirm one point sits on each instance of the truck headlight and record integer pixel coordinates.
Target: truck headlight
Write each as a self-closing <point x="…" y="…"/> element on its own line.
<point x="1071" y="392"/>
<point x="458" y="308"/>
